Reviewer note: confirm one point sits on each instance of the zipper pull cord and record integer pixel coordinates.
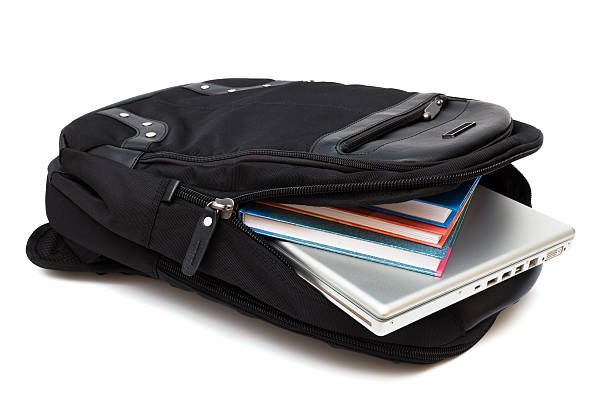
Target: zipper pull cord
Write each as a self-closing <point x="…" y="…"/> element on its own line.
<point x="203" y="232"/>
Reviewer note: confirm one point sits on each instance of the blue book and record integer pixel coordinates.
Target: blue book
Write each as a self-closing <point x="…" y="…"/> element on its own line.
<point x="360" y="243"/>
<point x="440" y="209"/>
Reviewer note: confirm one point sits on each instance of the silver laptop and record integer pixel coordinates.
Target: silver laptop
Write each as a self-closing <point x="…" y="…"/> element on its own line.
<point x="499" y="239"/>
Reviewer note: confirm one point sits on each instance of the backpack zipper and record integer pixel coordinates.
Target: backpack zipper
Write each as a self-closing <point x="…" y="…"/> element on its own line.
<point x="226" y="207"/>
<point x="274" y="155"/>
<point x="425" y="112"/>
<point x="423" y="181"/>
<point x="203" y="231"/>
<point x="226" y="210"/>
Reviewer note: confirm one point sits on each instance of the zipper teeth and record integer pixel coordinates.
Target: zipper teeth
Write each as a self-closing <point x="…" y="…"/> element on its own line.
<point x="193" y="196"/>
<point x="236" y="297"/>
<point x="202" y="199"/>
<point x="381" y="185"/>
<point x="319" y="158"/>
<point x="353" y="142"/>
<point x="240" y="225"/>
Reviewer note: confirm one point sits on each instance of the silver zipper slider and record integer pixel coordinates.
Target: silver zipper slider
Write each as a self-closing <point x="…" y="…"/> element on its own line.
<point x="224" y="206"/>
<point x="432" y="110"/>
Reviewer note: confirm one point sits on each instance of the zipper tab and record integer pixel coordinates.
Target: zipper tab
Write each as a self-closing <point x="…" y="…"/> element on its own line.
<point x="203" y="232"/>
<point x="432" y="110"/>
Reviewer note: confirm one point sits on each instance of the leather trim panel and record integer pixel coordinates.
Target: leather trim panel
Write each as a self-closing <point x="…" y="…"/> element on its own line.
<point x="209" y="88"/>
<point x="127" y="157"/>
<point x="425" y="141"/>
<point x="147" y="130"/>
<point x="405" y="106"/>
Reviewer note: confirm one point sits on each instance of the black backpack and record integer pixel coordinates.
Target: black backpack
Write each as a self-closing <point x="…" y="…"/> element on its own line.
<point x="134" y="180"/>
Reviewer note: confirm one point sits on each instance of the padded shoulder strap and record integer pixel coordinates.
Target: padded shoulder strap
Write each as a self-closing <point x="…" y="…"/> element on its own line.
<point x="48" y="249"/>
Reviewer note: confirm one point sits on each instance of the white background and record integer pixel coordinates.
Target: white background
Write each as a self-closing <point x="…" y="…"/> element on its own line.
<point x="69" y="339"/>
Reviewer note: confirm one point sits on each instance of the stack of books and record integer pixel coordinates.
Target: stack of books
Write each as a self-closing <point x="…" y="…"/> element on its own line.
<point x="416" y="235"/>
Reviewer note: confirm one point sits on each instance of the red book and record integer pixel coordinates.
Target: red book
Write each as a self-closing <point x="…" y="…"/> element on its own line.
<point x="376" y="221"/>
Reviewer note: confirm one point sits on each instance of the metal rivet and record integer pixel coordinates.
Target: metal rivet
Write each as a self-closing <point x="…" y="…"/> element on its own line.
<point x="124" y="115"/>
<point x="147" y="123"/>
<point x="150" y="134"/>
<point x="266" y="85"/>
<point x="231" y="90"/>
<point x="439" y="102"/>
<point x="205" y="87"/>
<point x="207" y="221"/>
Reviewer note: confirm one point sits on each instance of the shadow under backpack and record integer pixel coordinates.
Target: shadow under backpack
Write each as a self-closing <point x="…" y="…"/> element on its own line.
<point x="133" y="179"/>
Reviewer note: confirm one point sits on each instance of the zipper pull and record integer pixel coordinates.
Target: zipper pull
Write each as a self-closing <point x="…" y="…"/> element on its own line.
<point x="432" y="110"/>
<point x="224" y="206"/>
<point x="203" y="232"/>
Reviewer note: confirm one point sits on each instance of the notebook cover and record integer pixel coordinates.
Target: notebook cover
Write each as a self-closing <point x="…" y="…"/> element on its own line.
<point x="454" y="200"/>
<point x="416" y="225"/>
<point x="305" y="221"/>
